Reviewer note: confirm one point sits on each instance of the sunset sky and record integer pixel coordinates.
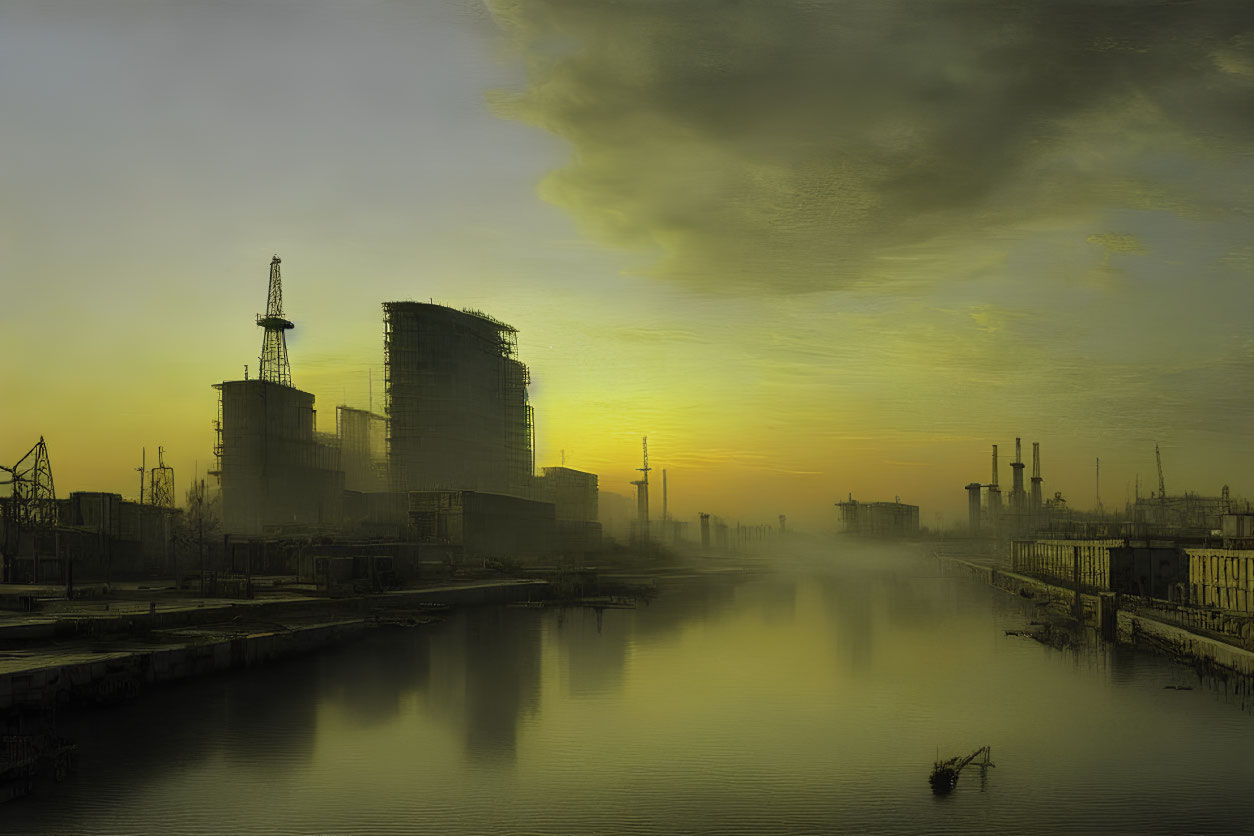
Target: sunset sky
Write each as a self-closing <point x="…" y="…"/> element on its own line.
<point x="809" y="248"/>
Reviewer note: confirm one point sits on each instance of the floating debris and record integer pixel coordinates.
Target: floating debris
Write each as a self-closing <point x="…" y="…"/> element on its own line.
<point x="945" y="773"/>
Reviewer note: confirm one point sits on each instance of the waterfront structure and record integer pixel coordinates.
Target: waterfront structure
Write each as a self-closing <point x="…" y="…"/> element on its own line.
<point x="879" y="519"/>
<point x="1222" y="578"/>
<point x="1144" y="568"/>
<point x="455" y="398"/>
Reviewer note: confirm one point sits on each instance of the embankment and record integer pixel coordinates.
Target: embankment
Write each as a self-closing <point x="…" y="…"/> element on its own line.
<point x="105" y="658"/>
<point x="1131" y="626"/>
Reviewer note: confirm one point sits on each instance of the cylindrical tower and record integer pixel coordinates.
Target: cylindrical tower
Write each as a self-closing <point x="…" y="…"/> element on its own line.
<point x="973" y="507"/>
<point x="1017" y="496"/>
<point x="994" y="495"/>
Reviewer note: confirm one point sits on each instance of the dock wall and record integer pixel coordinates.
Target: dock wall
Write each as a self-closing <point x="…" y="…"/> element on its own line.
<point x="60" y="677"/>
<point x="1134" y="622"/>
<point x="114" y="677"/>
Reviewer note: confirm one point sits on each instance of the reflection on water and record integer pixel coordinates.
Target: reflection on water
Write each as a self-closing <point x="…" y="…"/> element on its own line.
<point x="811" y="699"/>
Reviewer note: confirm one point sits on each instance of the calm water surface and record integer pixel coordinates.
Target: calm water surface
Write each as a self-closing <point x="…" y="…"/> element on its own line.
<point x="811" y="700"/>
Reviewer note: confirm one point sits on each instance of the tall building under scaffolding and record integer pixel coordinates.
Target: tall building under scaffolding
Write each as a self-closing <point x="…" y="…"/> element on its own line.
<point x="456" y="402"/>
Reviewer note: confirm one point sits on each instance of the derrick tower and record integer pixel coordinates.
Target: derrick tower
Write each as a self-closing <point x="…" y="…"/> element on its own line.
<point x="274" y="365"/>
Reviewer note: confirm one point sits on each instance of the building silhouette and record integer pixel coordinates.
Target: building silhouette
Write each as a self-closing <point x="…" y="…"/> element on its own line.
<point x="456" y="402"/>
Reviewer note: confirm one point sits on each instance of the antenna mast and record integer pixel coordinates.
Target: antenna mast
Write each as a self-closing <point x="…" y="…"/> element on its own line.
<point x="143" y="461"/>
<point x="1097" y="489"/>
<point x="1162" y="488"/>
<point x="642" y="492"/>
<point x="274" y="366"/>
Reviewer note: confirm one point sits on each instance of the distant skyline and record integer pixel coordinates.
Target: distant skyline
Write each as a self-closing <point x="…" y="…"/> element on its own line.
<point x="807" y="248"/>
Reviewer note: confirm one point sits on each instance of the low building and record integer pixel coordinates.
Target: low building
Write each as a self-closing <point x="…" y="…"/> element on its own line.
<point x="879" y="519"/>
<point x="1062" y="561"/>
<point x="1145" y="568"/>
<point x="576" y="505"/>
<point x="98" y="536"/>
<point x="1222" y="578"/>
<point x="484" y="525"/>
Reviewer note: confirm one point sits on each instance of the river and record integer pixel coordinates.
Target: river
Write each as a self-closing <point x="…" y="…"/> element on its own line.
<point x="808" y="699"/>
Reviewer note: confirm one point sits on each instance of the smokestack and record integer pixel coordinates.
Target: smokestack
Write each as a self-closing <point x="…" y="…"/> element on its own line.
<point x="973" y="507"/>
<point x="1036" y="476"/>
<point x="994" y="494"/>
<point x="1017" y="497"/>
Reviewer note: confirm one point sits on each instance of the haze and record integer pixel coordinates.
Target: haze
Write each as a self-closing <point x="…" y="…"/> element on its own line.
<point x="807" y="248"/>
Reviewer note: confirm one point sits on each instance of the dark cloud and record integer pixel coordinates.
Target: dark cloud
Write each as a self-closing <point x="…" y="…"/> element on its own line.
<point x="789" y="144"/>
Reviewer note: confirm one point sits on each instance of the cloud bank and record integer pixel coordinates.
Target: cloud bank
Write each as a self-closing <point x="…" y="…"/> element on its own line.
<point x="795" y="145"/>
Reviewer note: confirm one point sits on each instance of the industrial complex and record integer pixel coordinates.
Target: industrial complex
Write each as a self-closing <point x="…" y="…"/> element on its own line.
<point x="446" y="472"/>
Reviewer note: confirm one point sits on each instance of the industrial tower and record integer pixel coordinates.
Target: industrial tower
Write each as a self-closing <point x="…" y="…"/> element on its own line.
<point x="1036" y="477"/>
<point x="1018" y="499"/>
<point x="642" y="493"/>
<point x="994" y="494"/>
<point x="1162" y="486"/>
<point x="274" y="365"/>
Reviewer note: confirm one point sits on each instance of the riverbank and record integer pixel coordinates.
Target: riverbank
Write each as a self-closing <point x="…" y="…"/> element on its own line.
<point x="107" y="655"/>
<point x="114" y="642"/>
<point x="1127" y="625"/>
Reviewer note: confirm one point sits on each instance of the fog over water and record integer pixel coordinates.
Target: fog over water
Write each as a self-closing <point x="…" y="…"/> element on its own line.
<point x="807" y="699"/>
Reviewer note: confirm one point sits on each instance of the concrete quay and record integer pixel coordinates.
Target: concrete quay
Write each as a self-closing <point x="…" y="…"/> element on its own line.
<point x="101" y="657"/>
<point x="134" y="612"/>
<point x="1132" y="626"/>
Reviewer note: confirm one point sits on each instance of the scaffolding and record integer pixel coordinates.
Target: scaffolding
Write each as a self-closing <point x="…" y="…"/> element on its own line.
<point x="455" y="399"/>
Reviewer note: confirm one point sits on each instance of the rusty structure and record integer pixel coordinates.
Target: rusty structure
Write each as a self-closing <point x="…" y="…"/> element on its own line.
<point x="161" y="482"/>
<point x="455" y="398"/>
<point x="29" y="513"/>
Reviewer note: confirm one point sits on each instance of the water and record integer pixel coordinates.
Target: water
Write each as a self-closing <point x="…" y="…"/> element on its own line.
<point x="809" y="701"/>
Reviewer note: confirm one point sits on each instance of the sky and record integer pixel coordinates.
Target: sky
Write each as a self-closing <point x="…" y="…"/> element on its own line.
<point x="810" y="249"/>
